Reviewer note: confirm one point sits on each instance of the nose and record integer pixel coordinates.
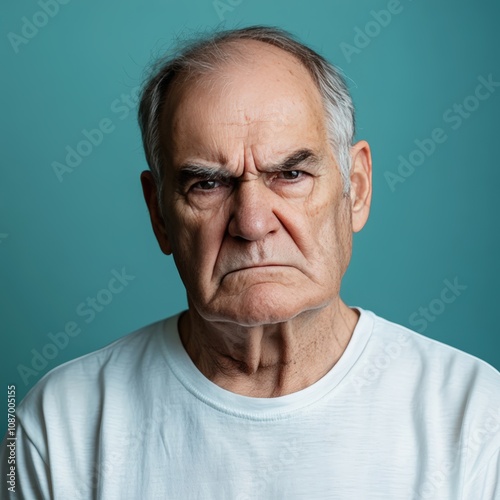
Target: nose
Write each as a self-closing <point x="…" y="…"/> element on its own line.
<point x="252" y="216"/>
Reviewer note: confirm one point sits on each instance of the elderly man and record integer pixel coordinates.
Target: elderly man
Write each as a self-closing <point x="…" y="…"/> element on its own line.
<point x="268" y="386"/>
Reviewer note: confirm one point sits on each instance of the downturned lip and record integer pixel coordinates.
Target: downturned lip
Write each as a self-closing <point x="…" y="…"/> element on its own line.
<point x="256" y="266"/>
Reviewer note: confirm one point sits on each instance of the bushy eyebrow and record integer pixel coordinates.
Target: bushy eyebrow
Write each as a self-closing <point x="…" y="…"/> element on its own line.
<point x="295" y="159"/>
<point x="189" y="171"/>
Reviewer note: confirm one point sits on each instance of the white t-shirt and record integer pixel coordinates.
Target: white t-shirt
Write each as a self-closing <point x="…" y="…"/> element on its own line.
<point x="399" y="416"/>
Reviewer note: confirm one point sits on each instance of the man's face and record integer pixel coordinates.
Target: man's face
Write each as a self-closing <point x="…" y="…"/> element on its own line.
<point x="253" y="202"/>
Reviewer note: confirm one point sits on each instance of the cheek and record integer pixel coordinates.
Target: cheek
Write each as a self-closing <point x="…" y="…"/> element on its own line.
<point x="196" y="239"/>
<point x="319" y="213"/>
<point x="331" y="223"/>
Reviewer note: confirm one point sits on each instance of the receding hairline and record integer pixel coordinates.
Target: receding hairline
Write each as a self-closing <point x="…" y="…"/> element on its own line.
<point x="231" y="53"/>
<point x="207" y="53"/>
<point x="242" y="54"/>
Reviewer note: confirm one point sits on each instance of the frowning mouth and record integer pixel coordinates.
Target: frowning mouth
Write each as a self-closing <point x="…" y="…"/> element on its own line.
<point x="256" y="267"/>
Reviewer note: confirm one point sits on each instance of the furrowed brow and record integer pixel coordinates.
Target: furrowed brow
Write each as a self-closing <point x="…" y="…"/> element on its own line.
<point x="190" y="171"/>
<point x="295" y="159"/>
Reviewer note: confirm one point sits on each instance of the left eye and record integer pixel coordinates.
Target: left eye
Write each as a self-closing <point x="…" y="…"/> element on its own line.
<point x="291" y="175"/>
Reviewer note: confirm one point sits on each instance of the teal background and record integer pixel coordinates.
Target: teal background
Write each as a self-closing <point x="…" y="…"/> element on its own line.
<point x="59" y="241"/>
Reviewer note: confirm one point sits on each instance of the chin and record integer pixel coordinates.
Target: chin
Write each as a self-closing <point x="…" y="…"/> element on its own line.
<point x="263" y="304"/>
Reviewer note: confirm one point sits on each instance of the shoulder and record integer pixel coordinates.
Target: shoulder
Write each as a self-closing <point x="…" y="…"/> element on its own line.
<point x="82" y="382"/>
<point x="434" y="377"/>
<point x="440" y="384"/>
<point x="431" y="358"/>
<point x="427" y="366"/>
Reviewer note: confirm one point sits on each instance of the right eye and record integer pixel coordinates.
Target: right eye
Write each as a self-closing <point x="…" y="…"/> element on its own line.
<point x="206" y="185"/>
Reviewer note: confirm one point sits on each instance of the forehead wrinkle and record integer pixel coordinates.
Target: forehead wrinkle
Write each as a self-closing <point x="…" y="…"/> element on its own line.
<point x="271" y="120"/>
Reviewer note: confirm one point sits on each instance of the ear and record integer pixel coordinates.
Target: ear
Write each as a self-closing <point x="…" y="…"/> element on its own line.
<point x="151" y="197"/>
<point x="361" y="184"/>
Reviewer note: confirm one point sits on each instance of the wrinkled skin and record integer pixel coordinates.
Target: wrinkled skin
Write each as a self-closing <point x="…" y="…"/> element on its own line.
<point x="255" y="215"/>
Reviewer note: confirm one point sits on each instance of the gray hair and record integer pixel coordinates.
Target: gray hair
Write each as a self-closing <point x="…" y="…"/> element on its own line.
<point x="204" y="55"/>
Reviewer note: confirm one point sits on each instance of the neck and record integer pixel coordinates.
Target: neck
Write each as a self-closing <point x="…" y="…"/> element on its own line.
<point x="269" y="360"/>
